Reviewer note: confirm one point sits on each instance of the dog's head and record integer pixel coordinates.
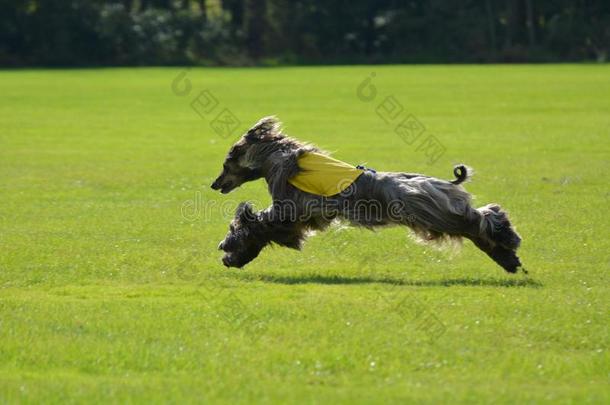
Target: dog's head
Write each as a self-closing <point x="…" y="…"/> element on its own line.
<point x="242" y="244"/>
<point x="244" y="161"/>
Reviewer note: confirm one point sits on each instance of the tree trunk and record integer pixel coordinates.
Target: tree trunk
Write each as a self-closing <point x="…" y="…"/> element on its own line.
<point x="204" y="10"/>
<point x="510" y="23"/>
<point x="255" y="27"/>
<point x="236" y="10"/>
<point x="530" y="22"/>
<point x="491" y="23"/>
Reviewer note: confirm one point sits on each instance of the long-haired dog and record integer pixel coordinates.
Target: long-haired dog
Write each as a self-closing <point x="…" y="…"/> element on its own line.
<point x="435" y="209"/>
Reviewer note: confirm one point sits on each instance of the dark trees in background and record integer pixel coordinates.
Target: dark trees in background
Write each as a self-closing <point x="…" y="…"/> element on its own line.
<point x="241" y="32"/>
<point x="256" y="23"/>
<point x="235" y="11"/>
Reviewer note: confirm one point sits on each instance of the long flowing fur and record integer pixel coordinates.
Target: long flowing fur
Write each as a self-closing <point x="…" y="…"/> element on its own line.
<point x="436" y="210"/>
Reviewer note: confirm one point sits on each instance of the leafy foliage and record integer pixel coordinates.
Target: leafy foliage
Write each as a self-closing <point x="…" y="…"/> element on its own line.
<point x="92" y="32"/>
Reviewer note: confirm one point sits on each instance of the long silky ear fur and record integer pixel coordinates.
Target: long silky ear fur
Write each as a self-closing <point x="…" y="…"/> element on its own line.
<point x="266" y="129"/>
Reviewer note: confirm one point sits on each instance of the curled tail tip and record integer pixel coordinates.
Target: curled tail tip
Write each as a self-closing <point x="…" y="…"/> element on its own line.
<point x="462" y="174"/>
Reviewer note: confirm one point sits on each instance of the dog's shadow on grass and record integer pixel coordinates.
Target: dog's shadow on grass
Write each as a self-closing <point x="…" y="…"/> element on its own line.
<point x="451" y="282"/>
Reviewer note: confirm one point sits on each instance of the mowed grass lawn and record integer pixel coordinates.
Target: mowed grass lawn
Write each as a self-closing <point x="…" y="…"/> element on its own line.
<point x="111" y="287"/>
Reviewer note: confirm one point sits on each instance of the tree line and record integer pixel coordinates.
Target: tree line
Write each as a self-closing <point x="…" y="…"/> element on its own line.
<point x="268" y="32"/>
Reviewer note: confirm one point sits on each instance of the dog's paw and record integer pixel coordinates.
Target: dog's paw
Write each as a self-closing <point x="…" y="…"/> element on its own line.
<point x="508" y="259"/>
<point x="227" y="261"/>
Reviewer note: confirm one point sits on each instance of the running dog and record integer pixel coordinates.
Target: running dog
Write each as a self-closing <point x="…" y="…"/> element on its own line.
<point x="310" y="190"/>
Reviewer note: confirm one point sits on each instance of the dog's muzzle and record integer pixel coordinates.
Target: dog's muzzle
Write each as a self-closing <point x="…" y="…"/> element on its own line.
<point x="216" y="184"/>
<point x="223" y="187"/>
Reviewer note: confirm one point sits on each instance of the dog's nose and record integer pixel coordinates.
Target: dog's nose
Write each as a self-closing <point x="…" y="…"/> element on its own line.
<point x="215" y="185"/>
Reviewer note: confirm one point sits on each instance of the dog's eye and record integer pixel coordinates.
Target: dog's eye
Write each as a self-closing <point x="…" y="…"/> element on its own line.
<point x="231" y="228"/>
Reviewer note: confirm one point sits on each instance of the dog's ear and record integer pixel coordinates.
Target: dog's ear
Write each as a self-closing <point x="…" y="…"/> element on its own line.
<point x="266" y="129"/>
<point x="245" y="213"/>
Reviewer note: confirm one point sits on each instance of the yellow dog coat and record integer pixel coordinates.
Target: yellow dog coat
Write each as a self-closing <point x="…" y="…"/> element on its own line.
<point x="323" y="175"/>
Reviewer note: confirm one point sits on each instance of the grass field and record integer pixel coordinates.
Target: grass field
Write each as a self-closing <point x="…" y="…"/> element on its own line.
<point x="111" y="287"/>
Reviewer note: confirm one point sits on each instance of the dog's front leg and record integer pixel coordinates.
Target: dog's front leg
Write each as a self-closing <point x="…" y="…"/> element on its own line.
<point x="285" y="230"/>
<point x="250" y="232"/>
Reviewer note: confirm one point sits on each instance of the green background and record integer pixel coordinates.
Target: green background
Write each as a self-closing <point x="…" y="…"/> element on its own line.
<point x="108" y="292"/>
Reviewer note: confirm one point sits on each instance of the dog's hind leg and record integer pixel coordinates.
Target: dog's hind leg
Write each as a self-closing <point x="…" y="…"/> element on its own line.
<point x="490" y="230"/>
<point x="506" y="258"/>
<point x="497" y="227"/>
<point x="493" y="233"/>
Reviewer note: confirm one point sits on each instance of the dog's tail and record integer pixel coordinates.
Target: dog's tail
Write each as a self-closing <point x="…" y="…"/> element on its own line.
<point x="462" y="173"/>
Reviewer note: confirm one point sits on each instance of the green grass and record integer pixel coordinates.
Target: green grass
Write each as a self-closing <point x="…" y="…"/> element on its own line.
<point x="108" y="293"/>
